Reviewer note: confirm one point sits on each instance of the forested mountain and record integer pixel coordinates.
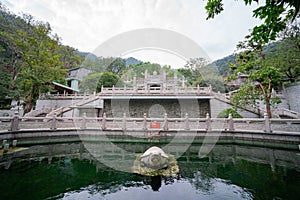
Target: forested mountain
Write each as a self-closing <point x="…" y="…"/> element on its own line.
<point x="31" y="58"/>
<point x="132" y="61"/>
<point x="285" y="54"/>
<point x="222" y="65"/>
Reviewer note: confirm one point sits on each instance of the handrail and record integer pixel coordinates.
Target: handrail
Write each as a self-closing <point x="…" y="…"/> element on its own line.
<point x="54" y="122"/>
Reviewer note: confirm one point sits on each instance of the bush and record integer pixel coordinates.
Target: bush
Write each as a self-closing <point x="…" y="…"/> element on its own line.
<point x="225" y="113"/>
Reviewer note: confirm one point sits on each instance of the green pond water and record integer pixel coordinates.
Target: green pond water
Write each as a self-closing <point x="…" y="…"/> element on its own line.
<point x="72" y="171"/>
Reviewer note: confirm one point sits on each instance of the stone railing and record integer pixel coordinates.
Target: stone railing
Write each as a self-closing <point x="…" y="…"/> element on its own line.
<point x="67" y="108"/>
<point x="155" y="91"/>
<point x="288" y="113"/>
<point x="145" y="123"/>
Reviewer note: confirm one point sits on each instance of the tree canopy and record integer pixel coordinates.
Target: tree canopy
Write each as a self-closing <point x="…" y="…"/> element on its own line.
<point x="274" y="14"/>
<point x="31" y="57"/>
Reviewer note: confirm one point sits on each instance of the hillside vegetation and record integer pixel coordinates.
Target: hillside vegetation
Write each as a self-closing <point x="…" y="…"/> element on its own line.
<point x="31" y="58"/>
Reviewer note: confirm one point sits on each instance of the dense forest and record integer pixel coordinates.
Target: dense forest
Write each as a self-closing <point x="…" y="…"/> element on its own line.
<point x="32" y="57"/>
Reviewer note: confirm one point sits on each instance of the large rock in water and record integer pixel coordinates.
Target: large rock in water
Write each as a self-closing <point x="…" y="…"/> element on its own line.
<point x="155" y="158"/>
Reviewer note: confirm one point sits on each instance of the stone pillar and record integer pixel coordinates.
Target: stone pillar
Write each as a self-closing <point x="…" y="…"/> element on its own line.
<point x="175" y="81"/>
<point x="3" y="143"/>
<point x="230" y="122"/>
<point x="15" y="122"/>
<point x="208" y="122"/>
<point x="124" y="89"/>
<point x="14" y="143"/>
<point x="164" y="78"/>
<point x="267" y="123"/>
<point x="103" y="124"/>
<point x="146" y="74"/>
<point x="145" y="122"/>
<point x="166" y="125"/>
<point x="53" y="122"/>
<point x="124" y="122"/>
<point x="83" y="122"/>
<point x="134" y="84"/>
<point x="113" y="89"/>
<point x="5" y="147"/>
<point x="183" y="82"/>
<point x="187" y="123"/>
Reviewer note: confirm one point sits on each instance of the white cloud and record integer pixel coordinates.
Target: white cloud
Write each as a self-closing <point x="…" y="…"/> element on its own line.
<point x="85" y="24"/>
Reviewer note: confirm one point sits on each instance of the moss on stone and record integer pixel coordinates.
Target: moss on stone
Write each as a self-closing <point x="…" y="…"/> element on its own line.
<point x="139" y="168"/>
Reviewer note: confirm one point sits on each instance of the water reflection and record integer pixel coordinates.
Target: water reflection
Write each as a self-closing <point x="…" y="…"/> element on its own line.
<point x="68" y="171"/>
<point x="155" y="182"/>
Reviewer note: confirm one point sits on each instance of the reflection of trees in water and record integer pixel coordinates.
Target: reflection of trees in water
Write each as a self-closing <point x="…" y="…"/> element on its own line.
<point x="202" y="183"/>
<point x="156" y="181"/>
<point x="69" y="167"/>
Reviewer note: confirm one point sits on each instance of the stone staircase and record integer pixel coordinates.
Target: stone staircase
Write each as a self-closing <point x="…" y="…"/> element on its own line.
<point x="278" y="113"/>
<point x="61" y="110"/>
<point x="38" y="112"/>
<point x="283" y="113"/>
<point x="226" y="99"/>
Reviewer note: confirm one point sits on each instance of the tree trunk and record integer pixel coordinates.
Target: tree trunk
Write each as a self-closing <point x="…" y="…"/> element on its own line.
<point x="268" y="108"/>
<point x="28" y="105"/>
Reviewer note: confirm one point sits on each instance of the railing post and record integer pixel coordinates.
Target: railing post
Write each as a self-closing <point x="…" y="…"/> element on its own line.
<point x="166" y="125"/>
<point x="83" y="123"/>
<point x="53" y="122"/>
<point x="113" y="89"/>
<point x="102" y="89"/>
<point x="14" y="143"/>
<point x="124" y="122"/>
<point x="187" y="124"/>
<point x="15" y="122"/>
<point x="5" y="147"/>
<point x="103" y="125"/>
<point x="230" y="122"/>
<point x="145" y="122"/>
<point x="208" y="122"/>
<point x="267" y="123"/>
<point x="198" y="89"/>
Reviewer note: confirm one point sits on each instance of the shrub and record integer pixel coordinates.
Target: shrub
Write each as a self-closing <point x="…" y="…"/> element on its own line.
<point x="225" y="113"/>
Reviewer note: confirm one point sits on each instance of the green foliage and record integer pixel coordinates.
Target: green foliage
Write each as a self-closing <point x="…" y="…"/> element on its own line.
<point x="108" y="79"/>
<point x="248" y="94"/>
<point x="34" y="56"/>
<point x="117" y="66"/>
<point x="225" y="113"/>
<point x="286" y="54"/>
<point x="41" y="64"/>
<point x="274" y="14"/>
<point x="222" y="65"/>
<point x="5" y="77"/>
<point x="140" y="68"/>
<point x="194" y="70"/>
<point x="89" y="83"/>
<point x="69" y="56"/>
<point x="197" y="72"/>
<point x="263" y="79"/>
<point x="213" y="7"/>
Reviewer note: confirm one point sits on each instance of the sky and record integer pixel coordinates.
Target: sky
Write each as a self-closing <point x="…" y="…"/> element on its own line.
<point x="86" y="24"/>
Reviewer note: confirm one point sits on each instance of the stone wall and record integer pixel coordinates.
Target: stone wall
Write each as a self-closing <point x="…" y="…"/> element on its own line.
<point x="157" y="107"/>
<point x="292" y="95"/>
<point x="54" y="103"/>
<point x="218" y="106"/>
